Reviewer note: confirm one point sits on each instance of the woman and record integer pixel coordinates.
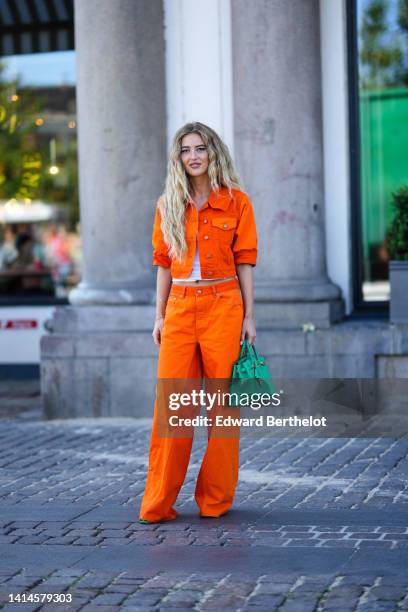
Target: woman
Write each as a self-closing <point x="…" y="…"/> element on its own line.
<point x="205" y="246"/>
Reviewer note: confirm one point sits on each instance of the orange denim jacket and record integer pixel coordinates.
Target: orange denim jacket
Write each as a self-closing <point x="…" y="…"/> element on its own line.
<point x="224" y="229"/>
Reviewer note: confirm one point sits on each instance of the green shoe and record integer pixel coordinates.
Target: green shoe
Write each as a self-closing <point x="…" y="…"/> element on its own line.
<point x="212" y="515"/>
<point x="146" y="522"/>
<point x="209" y="516"/>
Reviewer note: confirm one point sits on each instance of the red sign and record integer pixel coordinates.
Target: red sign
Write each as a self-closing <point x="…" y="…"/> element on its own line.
<point x="18" y="324"/>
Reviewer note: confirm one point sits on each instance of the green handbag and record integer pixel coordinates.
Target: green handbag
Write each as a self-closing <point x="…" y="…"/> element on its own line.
<point x="250" y="374"/>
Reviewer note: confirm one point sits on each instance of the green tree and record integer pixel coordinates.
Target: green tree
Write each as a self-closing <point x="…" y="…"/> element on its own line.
<point x="397" y="234"/>
<point x="17" y="112"/>
<point x="24" y="151"/>
<point x="381" y="55"/>
<point x="403" y="25"/>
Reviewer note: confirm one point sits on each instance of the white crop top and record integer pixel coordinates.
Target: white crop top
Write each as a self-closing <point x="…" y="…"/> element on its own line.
<point x="196" y="271"/>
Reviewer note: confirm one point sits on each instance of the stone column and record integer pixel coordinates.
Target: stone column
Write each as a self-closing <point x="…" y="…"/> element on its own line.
<point x="99" y="359"/>
<point x="278" y="144"/>
<point x="122" y="140"/>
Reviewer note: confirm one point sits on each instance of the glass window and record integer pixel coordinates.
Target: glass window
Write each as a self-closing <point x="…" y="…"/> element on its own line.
<point x="382" y="27"/>
<point x="40" y="250"/>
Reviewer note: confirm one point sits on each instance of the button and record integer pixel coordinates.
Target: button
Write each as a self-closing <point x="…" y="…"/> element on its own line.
<point x="208" y="255"/>
<point x="206" y="237"/>
<point x="199" y="290"/>
<point x="225" y="225"/>
<point x="205" y="220"/>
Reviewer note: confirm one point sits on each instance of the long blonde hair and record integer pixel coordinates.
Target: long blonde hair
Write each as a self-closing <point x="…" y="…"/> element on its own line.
<point x="177" y="192"/>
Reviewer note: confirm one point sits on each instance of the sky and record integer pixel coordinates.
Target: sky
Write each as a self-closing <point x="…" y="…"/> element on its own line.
<point x="57" y="68"/>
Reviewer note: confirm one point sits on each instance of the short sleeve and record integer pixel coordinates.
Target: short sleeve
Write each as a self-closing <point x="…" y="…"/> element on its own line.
<point x="245" y="243"/>
<point x="160" y="248"/>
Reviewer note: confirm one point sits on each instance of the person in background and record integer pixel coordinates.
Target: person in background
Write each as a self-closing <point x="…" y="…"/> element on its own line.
<point x="8" y="250"/>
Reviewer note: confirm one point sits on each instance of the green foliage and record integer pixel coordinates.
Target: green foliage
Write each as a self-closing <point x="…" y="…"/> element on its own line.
<point x="397" y="234"/>
<point x="25" y="150"/>
<point x="16" y="124"/>
<point x="383" y="53"/>
<point x="403" y="15"/>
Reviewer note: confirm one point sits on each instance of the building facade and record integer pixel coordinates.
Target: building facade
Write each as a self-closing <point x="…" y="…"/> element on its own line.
<point x="282" y="84"/>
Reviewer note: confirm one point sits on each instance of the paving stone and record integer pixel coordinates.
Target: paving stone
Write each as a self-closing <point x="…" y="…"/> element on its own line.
<point x="374" y="543"/>
<point x="108" y="599"/>
<point x="266" y="600"/>
<point x="144" y="599"/>
<point x="127" y="589"/>
<point x="66" y="540"/>
<point x="33" y="540"/>
<point x="99" y="608"/>
<point x="363" y="535"/>
<point x="27" y="607"/>
<point x="95" y="582"/>
<point x="339" y="543"/>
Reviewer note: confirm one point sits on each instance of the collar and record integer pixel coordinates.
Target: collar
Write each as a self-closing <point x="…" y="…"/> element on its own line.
<point x="219" y="198"/>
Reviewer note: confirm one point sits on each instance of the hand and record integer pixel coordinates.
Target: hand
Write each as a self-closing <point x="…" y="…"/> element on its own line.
<point x="248" y="330"/>
<point x="157" y="330"/>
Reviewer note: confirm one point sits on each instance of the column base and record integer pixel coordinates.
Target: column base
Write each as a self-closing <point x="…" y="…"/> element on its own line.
<point x="314" y="290"/>
<point x="294" y="315"/>
<point x="85" y="294"/>
<point x="99" y="361"/>
<point x="290" y="305"/>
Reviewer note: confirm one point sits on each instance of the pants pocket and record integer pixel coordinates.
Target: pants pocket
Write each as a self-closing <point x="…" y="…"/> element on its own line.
<point x="232" y="297"/>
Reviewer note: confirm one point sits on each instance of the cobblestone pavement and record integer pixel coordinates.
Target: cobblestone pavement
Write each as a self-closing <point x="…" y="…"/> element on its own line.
<point x="317" y="523"/>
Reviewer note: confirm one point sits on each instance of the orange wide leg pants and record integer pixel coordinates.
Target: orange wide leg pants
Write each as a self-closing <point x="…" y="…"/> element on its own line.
<point x="200" y="338"/>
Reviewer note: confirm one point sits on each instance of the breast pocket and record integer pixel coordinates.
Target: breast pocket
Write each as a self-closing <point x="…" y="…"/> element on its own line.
<point x="223" y="228"/>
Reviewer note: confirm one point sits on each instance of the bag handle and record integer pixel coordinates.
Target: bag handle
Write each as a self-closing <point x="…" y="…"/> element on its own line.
<point x="250" y="347"/>
<point x="246" y="348"/>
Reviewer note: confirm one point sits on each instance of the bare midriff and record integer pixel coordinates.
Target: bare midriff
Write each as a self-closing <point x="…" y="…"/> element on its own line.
<point x="203" y="281"/>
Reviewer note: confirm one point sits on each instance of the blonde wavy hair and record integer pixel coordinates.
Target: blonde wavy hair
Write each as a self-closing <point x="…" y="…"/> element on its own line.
<point x="178" y="189"/>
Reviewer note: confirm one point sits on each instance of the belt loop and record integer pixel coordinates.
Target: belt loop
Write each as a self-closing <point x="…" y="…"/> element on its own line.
<point x="184" y="291"/>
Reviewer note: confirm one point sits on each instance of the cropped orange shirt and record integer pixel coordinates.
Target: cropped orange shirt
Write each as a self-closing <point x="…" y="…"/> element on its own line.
<point x="224" y="229"/>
